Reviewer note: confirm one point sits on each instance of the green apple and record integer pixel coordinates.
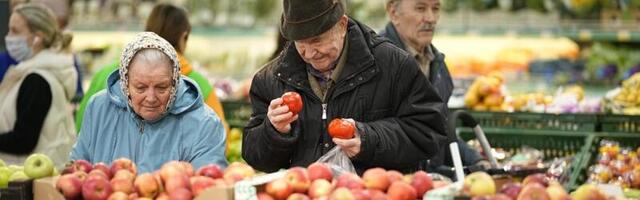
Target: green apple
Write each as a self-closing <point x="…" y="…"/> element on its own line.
<point x="18" y="176"/>
<point x="2" y="164"/>
<point x="14" y="168"/>
<point x="5" y="173"/>
<point x="38" y="166"/>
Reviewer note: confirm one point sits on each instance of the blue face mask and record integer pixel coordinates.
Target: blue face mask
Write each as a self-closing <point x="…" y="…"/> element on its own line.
<point x="18" y="48"/>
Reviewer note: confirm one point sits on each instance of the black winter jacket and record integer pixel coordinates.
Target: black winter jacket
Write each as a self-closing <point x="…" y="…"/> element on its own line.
<point x="397" y="111"/>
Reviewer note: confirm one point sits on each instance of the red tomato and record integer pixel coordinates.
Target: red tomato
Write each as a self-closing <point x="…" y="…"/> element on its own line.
<point x="339" y="128"/>
<point x="293" y="100"/>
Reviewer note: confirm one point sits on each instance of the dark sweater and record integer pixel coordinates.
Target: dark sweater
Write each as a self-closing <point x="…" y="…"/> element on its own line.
<point x="34" y="100"/>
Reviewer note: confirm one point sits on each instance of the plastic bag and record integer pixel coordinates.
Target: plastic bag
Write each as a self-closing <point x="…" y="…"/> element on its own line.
<point x="338" y="161"/>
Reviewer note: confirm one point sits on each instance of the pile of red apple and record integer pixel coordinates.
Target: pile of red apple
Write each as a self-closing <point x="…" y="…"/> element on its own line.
<point x="533" y="187"/>
<point x="175" y="180"/>
<point x="616" y="165"/>
<point x="317" y="182"/>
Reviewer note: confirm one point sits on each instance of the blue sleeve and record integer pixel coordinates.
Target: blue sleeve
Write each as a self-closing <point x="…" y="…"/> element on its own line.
<point x="210" y="145"/>
<point x="83" y="143"/>
<point x="5" y="62"/>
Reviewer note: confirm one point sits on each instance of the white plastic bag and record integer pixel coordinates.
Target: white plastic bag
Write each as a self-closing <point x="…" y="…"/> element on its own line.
<point x="338" y="161"/>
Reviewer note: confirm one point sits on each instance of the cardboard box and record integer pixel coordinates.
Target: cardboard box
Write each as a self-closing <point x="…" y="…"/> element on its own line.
<point x="45" y="189"/>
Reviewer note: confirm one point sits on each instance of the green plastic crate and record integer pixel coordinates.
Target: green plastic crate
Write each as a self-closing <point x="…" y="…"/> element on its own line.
<point x="537" y="121"/>
<point x="590" y="153"/>
<point x="553" y="144"/>
<point x="237" y="113"/>
<point x="620" y="123"/>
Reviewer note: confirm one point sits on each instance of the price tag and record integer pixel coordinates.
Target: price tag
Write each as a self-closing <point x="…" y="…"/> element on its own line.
<point x="245" y="191"/>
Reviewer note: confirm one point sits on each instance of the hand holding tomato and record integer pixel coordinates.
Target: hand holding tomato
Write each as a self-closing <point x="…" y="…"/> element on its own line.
<point x="345" y="135"/>
<point x="280" y="116"/>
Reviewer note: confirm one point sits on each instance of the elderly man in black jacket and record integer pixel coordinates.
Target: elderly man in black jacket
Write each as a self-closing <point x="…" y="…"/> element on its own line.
<point x="411" y="28"/>
<point x="341" y="68"/>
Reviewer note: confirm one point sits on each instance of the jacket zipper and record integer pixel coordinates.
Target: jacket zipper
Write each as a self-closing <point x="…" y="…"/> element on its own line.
<point x="137" y="147"/>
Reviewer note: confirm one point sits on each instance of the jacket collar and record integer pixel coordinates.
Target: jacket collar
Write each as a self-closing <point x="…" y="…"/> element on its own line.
<point x="291" y="68"/>
<point x="392" y="34"/>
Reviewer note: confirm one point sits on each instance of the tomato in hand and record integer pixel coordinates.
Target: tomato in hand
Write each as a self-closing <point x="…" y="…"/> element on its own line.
<point x="293" y="100"/>
<point x="340" y="128"/>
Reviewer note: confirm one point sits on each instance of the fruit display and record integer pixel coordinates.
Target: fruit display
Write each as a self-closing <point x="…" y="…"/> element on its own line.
<point x="35" y="166"/>
<point x="318" y="182"/>
<point x="234" y="148"/>
<point x="174" y="180"/>
<point x="616" y="165"/>
<point x="486" y="93"/>
<point x="481" y="186"/>
<point x="626" y="100"/>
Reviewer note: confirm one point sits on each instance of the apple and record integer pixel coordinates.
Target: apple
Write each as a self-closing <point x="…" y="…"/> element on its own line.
<point x="376" y="178"/>
<point x="536" y="178"/>
<point x="124" y="174"/>
<point x="293" y="101"/>
<point x="298" y="196"/>
<point x="163" y="196"/>
<point x="2" y="164"/>
<point x="237" y="171"/>
<point x="187" y="167"/>
<point x="181" y="194"/>
<point x="533" y="191"/>
<point x="556" y="191"/>
<point x="588" y="192"/>
<point x="70" y="186"/>
<point x="378" y="195"/>
<point x="264" y="196"/>
<point x="38" y="166"/>
<point x="133" y="196"/>
<point x="118" y="196"/>
<point x="81" y="175"/>
<point x="211" y="170"/>
<point x="422" y="182"/>
<point x="15" y="168"/>
<point x="319" y="171"/>
<point x="478" y="184"/>
<point x="360" y="194"/>
<point x="146" y="185"/>
<point x="98" y="173"/>
<point x="176" y="182"/>
<point x="18" y="176"/>
<point x="319" y="188"/>
<point x="122" y="185"/>
<point x="5" y="174"/>
<point x="298" y="178"/>
<point x="279" y="189"/>
<point x="400" y="190"/>
<point x="82" y="165"/>
<point x="123" y="163"/>
<point x="96" y="189"/>
<point x="350" y="181"/>
<point x="511" y="189"/>
<point x="104" y="168"/>
<point x="342" y="194"/>
<point x="394" y="176"/>
<point x="200" y="183"/>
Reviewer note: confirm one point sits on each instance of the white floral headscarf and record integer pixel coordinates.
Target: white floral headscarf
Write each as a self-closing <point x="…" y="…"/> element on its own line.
<point x="148" y="40"/>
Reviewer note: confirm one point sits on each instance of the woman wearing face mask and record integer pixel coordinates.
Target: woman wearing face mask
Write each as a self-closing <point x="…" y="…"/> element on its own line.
<point x="150" y="113"/>
<point x="34" y="109"/>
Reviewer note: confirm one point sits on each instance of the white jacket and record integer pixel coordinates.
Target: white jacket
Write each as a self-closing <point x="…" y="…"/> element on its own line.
<point x="58" y="133"/>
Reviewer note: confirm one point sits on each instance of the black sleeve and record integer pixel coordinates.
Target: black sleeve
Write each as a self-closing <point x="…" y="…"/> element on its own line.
<point x="34" y="100"/>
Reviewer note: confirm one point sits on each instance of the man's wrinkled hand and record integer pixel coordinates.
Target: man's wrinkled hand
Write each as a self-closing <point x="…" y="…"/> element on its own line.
<point x="280" y="116"/>
<point x="351" y="147"/>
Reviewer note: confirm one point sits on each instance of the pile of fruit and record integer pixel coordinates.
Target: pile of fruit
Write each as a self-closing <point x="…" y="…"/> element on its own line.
<point x="234" y="148"/>
<point x="317" y="182"/>
<point x="481" y="186"/>
<point x="616" y="165"/>
<point x="35" y="166"/>
<point x="486" y="93"/>
<point x="174" y="180"/>
<point x="627" y="100"/>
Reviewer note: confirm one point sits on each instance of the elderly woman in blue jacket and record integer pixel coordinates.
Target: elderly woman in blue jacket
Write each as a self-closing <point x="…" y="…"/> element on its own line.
<point x="150" y="114"/>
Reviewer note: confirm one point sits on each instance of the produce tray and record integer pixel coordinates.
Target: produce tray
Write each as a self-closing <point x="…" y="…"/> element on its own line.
<point x="620" y="123"/>
<point x="237" y="113"/>
<point x="18" y="190"/>
<point x="536" y="121"/>
<point x="590" y="153"/>
<point x="553" y="144"/>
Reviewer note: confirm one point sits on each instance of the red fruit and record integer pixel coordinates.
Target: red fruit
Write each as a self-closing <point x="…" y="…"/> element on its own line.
<point x="213" y="171"/>
<point x="394" y="176"/>
<point x="401" y="191"/>
<point x="319" y="171"/>
<point x="376" y="178"/>
<point x="175" y="183"/>
<point x="104" y="168"/>
<point x="319" y="188"/>
<point x="118" y="196"/>
<point x="146" y="185"/>
<point x="349" y="181"/>
<point x="339" y="128"/>
<point x="123" y="163"/>
<point x="293" y="100"/>
<point x="298" y="196"/>
<point x="422" y="182"/>
<point x="70" y="186"/>
<point x="181" y="194"/>
<point x="279" y="189"/>
<point x="200" y="183"/>
<point x="96" y="189"/>
<point x="264" y="196"/>
<point x="82" y="165"/>
<point x="511" y="189"/>
<point x="298" y="178"/>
